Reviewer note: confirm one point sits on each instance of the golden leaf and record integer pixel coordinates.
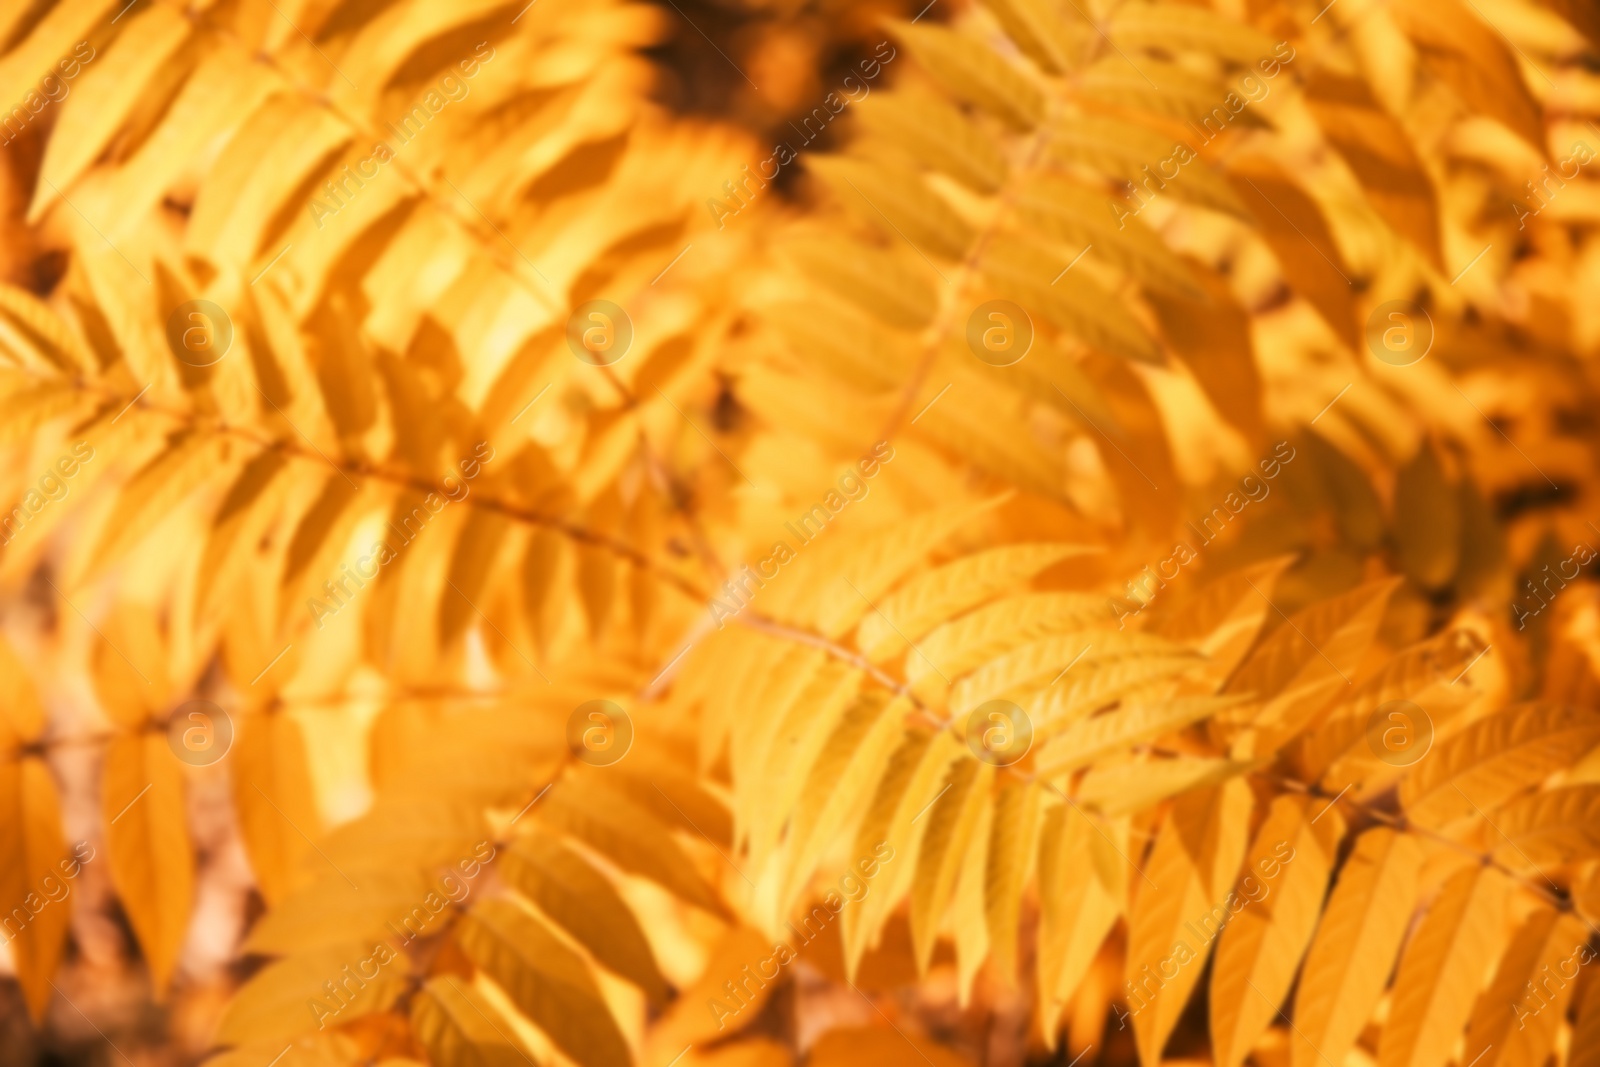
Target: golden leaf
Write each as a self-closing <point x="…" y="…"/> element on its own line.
<point x="1308" y="659"/>
<point x="147" y="837"/>
<point x="1494" y="759"/>
<point x="894" y="200"/>
<point x="951" y="821"/>
<point x="1194" y="861"/>
<point x="545" y="979"/>
<point x="273" y="794"/>
<point x="1546" y="829"/>
<point x="1442" y="968"/>
<point x="331" y="913"/>
<point x="460" y="1028"/>
<point x="31" y="847"/>
<point x="630" y="837"/>
<point x="580" y="899"/>
<point x="973" y="73"/>
<point x="945" y="592"/>
<point x="1261" y="945"/>
<point x="1076" y="910"/>
<point x="937" y="136"/>
<point x="1547" y="944"/>
<point x="1357" y="939"/>
<point x="1010" y="859"/>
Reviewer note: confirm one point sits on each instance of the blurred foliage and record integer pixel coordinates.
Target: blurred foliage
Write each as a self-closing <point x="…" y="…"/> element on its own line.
<point x="751" y="533"/>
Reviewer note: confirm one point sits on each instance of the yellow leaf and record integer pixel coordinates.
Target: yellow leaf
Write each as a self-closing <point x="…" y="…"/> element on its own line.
<point x="1077" y="216"/>
<point x="629" y="836"/>
<point x="1165" y="27"/>
<point x="106" y="94"/>
<point x="23" y="410"/>
<point x="806" y="734"/>
<point x="1194" y="861"/>
<point x="913" y="781"/>
<point x="886" y="284"/>
<point x="1548" y="829"/>
<point x="1494" y="759"/>
<point x="936" y="135"/>
<point x="460" y="1028"/>
<point x="47" y="40"/>
<point x="1312" y="656"/>
<point x="273" y="795"/>
<point x="658" y="782"/>
<point x="1213" y="334"/>
<point x="597" y="567"/>
<point x="129" y="666"/>
<point x="159" y="488"/>
<point x="983" y="429"/>
<point x="841" y="783"/>
<point x="800" y="672"/>
<point x="241" y="202"/>
<point x="342" y="364"/>
<point x="1442" y="968"/>
<point x="1294" y="227"/>
<point x="412" y="832"/>
<point x="290" y="997"/>
<point x="152" y="862"/>
<point x="1076" y="910"/>
<point x="1530" y="980"/>
<point x="1223" y="620"/>
<point x="950" y="825"/>
<point x="754" y="656"/>
<point x="956" y="647"/>
<point x="27" y="319"/>
<point x="706" y="1011"/>
<point x="1130" y="787"/>
<point x="238" y="525"/>
<point x="1060" y="656"/>
<point x="331" y="912"/>
<point x="966" y="915"/>
<point x="22" y="717"/>
<point x="1376" y="148"/>
<point x="321" y="533"/>
<point x="871" y="565"/>
<point x="970" y="71"/>
<point x="1011" y="849"/>
<point x="1112" y="678"/>
<point x="944" y="592"/>
<point x="1047" y="33"/>
<point x="1138" y="719"/>
<point x="1350" y="959"/>
<point x="1121" y="149"/>
<point x="471" y="565"/>
<point x="1432" y="667"/>
<point x="542" y="567"/>
<point x="579" y="898"/>
<point x="1073" y="301"/>
<point x="210" y="106"/>
<point x="480" y="754"/>
<point x="31" y="882"/>
<point x="894" y="200"/>
<point x="1275" y="910"/>
<point x="546" y="980"/>
<point x="1474" y="59"/>
<point x="826" y="335"/>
